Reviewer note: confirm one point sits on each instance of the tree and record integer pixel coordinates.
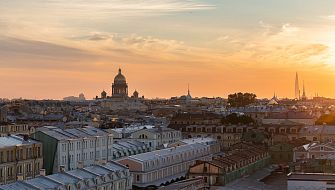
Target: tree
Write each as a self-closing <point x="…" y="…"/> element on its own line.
<point x="241" y="99"/>
<point x="328" y="119"/>
<point x="235" y="119"/>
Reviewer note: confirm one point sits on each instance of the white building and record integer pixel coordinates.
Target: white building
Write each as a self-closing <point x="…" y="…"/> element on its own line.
<point x="164" y="166"/>
<point x="72" y="148"/>
<point x="309" y="181"/>
<point x="314" y="150"/>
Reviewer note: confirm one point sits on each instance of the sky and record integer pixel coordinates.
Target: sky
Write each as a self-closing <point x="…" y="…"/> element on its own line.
<point x="50" y="49"/>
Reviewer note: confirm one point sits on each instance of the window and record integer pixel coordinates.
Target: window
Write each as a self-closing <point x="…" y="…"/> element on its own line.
<point x="137" y="177"/>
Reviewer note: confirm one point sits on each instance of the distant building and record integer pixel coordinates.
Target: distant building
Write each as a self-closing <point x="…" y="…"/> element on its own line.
<point x="302" y="117"/>
<point x="135" y="94"/>
<point x="81" y="97"/>
<point x="120" y="86"/>
<point x="320" y="133"/>
<point x="20" y="158"/>
<point x="126" y="132"/>
<point x="15" y="129"/>
<point x="72" y="148"/>
<point x="225" y="135"/>
<point x="180" y="120"/>
<point x="3" y="114"/>
<point x="108" y="176"/>
<point x="157" y="137"/>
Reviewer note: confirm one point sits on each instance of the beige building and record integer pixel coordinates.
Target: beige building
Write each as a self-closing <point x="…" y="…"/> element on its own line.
<point x="20" y="158"/>
<point x="17" y="129"/>
<point x="157" y="137"/>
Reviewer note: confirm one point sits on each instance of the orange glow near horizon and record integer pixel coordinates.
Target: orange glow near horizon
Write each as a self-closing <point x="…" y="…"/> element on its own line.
<point x="161" y="46"/>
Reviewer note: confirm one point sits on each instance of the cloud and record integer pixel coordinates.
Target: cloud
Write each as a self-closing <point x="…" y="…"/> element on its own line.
<point x="275" y="46"/>
<point x="288" y="28"/>
<point x="87" y="9"/>
<point x="37" y="54"/>
<point x="329" y="17"/>
<point x="130" y="42"/>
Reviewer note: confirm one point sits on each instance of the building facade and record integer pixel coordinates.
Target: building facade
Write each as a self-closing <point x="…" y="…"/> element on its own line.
<point x="224" y="169"/>
<point x="314" y="150"/>
<point x="16" y="129"/>
<point x="157" y="137"/>
<point x="108" y="176"/>
<point x="69" y="149"/>
<point x="162" y="167"/>
<point x="20" y="158"/>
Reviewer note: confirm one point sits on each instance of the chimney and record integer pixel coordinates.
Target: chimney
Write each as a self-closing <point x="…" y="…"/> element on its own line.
<point x="61" y="168"/>
<point x="104" y="162"/>
<point x="19" y="177"/>
<point x="25" y="137"/>
<point x="96" y="162"/>
<point x="42" y="172"/>
<point x="80" y="165"/>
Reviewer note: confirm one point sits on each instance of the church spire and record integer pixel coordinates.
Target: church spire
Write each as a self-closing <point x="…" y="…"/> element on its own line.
<point x="303" y="97"/>
<point x="296" y="89"/>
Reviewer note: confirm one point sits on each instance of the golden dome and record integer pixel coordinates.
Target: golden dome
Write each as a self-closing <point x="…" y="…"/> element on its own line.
<point x="119" y="78"/>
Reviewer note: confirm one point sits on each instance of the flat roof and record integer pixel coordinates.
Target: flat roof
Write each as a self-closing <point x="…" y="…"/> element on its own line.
<point x="311" y="177"/>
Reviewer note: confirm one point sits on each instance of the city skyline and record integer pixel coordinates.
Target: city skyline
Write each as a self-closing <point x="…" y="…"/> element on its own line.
<point x="53" y="49"/>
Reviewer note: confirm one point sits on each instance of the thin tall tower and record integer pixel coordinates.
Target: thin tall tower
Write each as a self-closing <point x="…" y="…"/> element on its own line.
<point x="297" y="90"/>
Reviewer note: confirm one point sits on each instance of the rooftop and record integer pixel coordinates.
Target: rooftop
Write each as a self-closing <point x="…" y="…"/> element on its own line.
<point x="64" y="134"/>
<point x="166" y="152"/>
<point x="58" y="180"/>
<point x="14" y="140"/>
<point x="311" y="177"/>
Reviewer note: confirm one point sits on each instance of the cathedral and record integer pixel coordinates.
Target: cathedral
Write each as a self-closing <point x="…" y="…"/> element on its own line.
<point x="119" y="88"/>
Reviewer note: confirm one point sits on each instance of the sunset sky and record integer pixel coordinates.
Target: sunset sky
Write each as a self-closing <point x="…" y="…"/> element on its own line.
<point x="50" y="49"/>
